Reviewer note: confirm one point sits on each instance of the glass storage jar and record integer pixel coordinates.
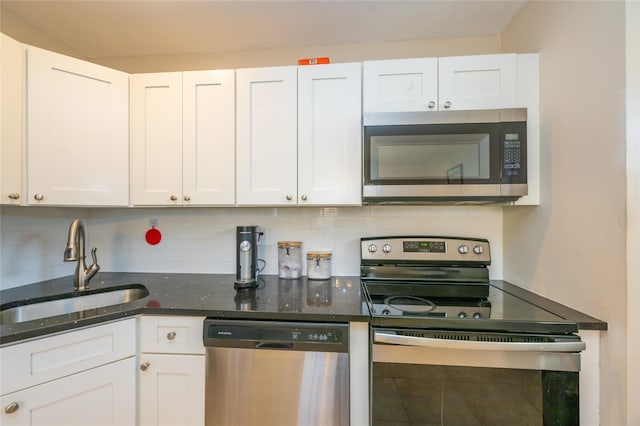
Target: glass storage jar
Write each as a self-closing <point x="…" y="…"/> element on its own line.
<point x="319" y="265"/>
<point x="289" y="259"/>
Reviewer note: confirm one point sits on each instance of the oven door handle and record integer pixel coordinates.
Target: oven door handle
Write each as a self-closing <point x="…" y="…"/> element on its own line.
<point x="427" y="342"/>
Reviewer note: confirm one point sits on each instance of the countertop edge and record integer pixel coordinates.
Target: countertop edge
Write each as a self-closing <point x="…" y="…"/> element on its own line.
<point x="584" y="321"/>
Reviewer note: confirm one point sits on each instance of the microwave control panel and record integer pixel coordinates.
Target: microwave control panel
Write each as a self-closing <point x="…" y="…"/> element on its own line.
<point x="514" y="155"/>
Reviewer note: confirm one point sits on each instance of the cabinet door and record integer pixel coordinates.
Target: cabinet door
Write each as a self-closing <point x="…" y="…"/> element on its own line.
<point x="171" y="390"/>
<point x="12" y="164"/>
<point x="208" y="137"/>
<point x="477" y="82"/>
<point x="266" y="160"/>
<point x="156" y="139"/>
<point x="329" y="134"/>
<point x="400" y="85"/>
<point x="78" y="132"/>
<point x="101" y="396"/>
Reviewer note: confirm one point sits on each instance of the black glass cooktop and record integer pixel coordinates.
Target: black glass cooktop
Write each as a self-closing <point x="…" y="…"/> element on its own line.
<point x="499" y="311"/>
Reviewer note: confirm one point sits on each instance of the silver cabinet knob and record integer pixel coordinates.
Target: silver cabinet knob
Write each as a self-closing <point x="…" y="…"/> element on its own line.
<point x="186" y="198"/>
<point x="171" y="335"/>
<point x="289" y="197"/>
<point x="447" y="104"/>
<point x="478" y="249"/>
<point x="173" y="198"/>
<point x="431" y="105"/>
<point x="303" y="198"/>
<point x="14" y="196"/>
<point x="38" y="197"/>
<point x="144" y="366"/>
<point x="11" y="408"/>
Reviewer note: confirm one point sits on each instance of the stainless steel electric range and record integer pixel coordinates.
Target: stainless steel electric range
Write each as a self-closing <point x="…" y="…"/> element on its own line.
<point x="447" y="344"/>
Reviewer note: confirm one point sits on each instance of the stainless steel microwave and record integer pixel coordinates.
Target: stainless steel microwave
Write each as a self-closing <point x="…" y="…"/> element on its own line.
<point x="473" y="156"/>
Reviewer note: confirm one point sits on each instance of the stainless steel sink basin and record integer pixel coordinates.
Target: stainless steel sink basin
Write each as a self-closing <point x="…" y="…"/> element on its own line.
<point x="78" y="301"/>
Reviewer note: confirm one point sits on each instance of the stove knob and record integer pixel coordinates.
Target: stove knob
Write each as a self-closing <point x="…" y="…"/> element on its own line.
<point x="462" y="315"/>
<point x="463" y="249"/>
<point x="478" y="249"/>
<point x="372" y="248"/>
<point x="386" y="248"/>
<point x="477" y="315"/>
<point x="386" y="312"/>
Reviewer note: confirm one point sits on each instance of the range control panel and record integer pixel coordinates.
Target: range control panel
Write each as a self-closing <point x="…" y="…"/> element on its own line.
<point x="426" y="249"/>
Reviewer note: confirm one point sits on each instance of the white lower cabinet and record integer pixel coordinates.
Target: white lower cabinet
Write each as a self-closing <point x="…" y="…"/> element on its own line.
<point x="171" y="371"/>
<point x="171" y="389"/>
<point x="101" y="396"/>
<point x="83" y="377"/>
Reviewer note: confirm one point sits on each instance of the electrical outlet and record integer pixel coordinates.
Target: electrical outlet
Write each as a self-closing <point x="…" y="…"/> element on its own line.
<point x="262" y="237"/>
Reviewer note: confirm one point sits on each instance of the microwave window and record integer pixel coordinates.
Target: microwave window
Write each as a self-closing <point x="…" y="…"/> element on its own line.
<point x="451" y="157"/>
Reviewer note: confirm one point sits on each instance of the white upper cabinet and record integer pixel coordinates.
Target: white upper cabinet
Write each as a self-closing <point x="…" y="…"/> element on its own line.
<point x="12" y="83"/>
<point x="431" y="84"/>
<point x="477" y="82"/>
<point x="329" y="134"/>
<point x="299" y="135"/>
<point x="400" y="85"/>
<point x="182" y="138"/>
<point x="266" y="145"/>
<point x="208" y="141"/>
<point x="156" y="139"/>
<point x="78" y="132"/>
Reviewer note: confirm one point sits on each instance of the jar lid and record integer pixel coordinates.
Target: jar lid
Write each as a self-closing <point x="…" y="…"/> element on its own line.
<point x="319" y="255"/>
<point x="286" y="244"/>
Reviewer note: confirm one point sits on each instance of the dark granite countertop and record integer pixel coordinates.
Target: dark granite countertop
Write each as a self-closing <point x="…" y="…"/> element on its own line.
<point x="584" y="321"/>
<point x="338" y="299"/>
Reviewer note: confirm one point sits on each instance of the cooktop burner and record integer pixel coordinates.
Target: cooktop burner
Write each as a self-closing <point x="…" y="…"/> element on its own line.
<point x="412" y="306"/>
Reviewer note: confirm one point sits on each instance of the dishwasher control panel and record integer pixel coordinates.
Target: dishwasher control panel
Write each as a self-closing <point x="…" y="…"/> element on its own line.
<point x="276" y="335"/>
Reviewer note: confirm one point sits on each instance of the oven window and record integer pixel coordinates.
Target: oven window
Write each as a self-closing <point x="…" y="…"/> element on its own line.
<point x="451" y="157"/>
<point x="411" y="394"/>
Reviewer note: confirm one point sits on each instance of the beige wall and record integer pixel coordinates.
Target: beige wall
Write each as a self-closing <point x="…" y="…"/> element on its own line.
<point x="572" y="247"/>
<point x="633" y="209"/>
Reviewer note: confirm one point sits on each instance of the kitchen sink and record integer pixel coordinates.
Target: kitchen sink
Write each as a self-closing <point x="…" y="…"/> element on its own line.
<point x="74" y="302"/>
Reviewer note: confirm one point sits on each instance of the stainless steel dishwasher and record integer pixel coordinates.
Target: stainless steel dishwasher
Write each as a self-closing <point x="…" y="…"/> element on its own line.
<point x="276" y="373"/>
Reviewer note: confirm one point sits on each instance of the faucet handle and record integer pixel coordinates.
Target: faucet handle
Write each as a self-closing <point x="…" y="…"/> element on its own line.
<point x="94" y="256"/>
<point x="93" y="269"/>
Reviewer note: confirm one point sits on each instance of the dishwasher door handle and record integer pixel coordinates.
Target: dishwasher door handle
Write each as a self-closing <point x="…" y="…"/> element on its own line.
<point x="274" y="345"/>
<point x="427" y="342"/>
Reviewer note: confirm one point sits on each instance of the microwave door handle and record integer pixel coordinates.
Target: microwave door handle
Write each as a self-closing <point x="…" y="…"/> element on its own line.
<point x="427" y="342"/>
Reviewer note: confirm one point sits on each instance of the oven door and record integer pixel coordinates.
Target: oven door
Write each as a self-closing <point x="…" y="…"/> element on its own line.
<point x="419" y="380"/>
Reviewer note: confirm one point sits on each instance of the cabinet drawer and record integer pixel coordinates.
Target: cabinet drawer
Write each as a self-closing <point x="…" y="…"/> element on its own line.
<point x="37" y="361"/>
<point x="171" y="334"/>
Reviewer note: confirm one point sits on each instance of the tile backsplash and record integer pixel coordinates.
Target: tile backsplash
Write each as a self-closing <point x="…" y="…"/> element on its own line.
<point x="202" y="240"/>
<point x="32" y="242"/>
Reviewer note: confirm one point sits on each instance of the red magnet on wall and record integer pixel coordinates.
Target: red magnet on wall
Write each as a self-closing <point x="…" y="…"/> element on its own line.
<point x="153" y="236"/>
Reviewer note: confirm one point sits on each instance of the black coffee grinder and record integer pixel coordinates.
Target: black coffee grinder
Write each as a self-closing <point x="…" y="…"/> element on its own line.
<point x="246" y="257"/>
